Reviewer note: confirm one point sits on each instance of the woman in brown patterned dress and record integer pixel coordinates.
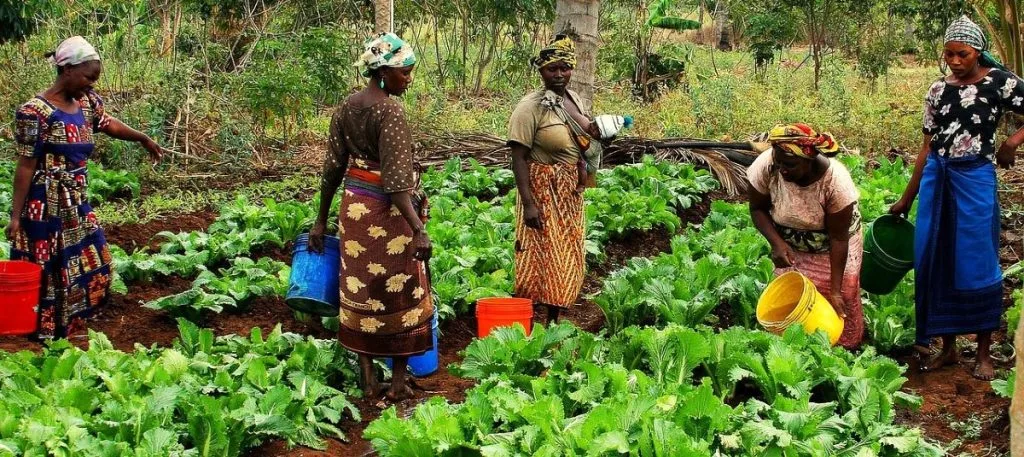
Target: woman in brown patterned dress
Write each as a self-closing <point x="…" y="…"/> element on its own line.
<point x="386" y="305"/>
<point x="547" y="141"/>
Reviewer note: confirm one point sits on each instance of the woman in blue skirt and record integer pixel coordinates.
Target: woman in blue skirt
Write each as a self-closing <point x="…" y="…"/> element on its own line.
<point x="959" y="282"/>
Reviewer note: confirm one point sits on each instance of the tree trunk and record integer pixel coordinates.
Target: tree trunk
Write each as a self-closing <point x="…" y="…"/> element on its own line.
<point x="579" y="20"/>
<point x="722" y="35"/>
<point x="382" y="19"/>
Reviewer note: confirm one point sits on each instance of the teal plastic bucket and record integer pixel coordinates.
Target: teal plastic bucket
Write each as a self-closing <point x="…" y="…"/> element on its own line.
<point x="888" y="254"/>
<point x="313" y="284"/>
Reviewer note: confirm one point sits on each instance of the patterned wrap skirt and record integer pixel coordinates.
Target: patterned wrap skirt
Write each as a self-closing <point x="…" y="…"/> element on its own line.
<point x="550" y="262"/>
<point x="60" y="232"/>
<point x="818" y="268"/>
<point x="386" y="302"/>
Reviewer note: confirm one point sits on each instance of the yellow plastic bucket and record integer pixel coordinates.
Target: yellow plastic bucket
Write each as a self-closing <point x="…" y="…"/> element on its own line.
<point x="792" y="298"/>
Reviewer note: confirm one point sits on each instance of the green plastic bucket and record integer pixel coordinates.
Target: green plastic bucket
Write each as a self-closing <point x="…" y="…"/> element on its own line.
<point x="888" y="254"/>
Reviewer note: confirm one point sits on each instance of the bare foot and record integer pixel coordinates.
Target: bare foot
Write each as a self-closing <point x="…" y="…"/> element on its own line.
<point x="984" y="370"/>
<point x="946" y="358"/>
<point x="399" y="392"/>
<point x="368" y="378"/>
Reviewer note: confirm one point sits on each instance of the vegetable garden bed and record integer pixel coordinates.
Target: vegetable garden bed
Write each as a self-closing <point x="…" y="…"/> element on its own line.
<point x="956" y="407"/>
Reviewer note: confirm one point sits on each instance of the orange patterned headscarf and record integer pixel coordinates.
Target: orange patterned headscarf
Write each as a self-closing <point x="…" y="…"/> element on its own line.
<point x="802" y="141"/>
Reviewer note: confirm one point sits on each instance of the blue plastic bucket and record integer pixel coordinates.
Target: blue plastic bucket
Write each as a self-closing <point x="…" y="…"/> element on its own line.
<point x="313" y="284"/>
<point x="426" y="363"/>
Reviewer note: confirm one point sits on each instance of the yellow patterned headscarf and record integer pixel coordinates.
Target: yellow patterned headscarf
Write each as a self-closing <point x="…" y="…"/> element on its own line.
<point x="802" y="141"/>
<point x="561" y="49"/>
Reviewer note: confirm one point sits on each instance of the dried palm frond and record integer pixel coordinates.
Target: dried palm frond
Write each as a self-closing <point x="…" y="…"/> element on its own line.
<point x="727" y="163"/>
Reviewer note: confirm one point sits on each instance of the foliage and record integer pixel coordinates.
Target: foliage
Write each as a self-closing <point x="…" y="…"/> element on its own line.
<point x="17" y="18"/>
<point x="202" y="396"/>
<point x="1005" y="387"/>
<point x="662" y="392"/>
<point x="768" y="27"/>
<point x="105" y="184"/>
<point x="890" y="318"/>
<point x="724" y="262"/>
<point x="233" y="288"/>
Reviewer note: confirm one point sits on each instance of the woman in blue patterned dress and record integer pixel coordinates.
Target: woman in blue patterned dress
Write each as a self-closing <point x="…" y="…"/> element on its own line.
<point x="52" y="223"/>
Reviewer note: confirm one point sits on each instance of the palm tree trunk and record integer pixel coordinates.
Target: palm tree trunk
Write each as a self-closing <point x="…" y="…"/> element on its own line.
<point x="579" y="20"/>
<point x="382" y="19"/>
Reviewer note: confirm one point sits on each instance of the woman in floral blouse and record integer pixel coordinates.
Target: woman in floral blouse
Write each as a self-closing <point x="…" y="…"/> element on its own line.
<point x="959" y="281"/>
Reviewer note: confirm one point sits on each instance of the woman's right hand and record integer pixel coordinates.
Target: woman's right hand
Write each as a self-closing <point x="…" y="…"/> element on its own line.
<point x="900" y="208"/>
<point x="13" y="228"/>
<point x="783" y="256"/>
<point x="316" y="237"/>
<point x="531" y="217"/>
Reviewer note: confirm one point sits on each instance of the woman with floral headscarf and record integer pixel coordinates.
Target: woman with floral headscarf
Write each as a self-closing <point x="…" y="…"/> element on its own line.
<point x="52" y="223"/>
<point x="958" y="279"/>
<point x="386" y="305"/>
<point x="547" y="135"/>
<point x="805" y="203"/>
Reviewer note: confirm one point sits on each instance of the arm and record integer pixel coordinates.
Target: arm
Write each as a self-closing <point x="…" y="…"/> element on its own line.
<point x="838" y="226"/>
<point x="1006" y="157"/>
<point x="335" y="165"/>
<point x="403" y="201"/>
<point x="117" y="129"/>
<point x="910" y="193"/>
<point x="760" y="204"/>
<point x="521" y="170"/>
<point x="22" y="180"/>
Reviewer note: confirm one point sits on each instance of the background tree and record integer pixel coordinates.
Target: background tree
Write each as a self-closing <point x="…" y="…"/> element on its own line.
<point x="383" y="20"/>
<point x="17" y="18"/>
<point x="1003" y="19"/>
<point x="827" y="23"/>
<point x="579" y="20"/>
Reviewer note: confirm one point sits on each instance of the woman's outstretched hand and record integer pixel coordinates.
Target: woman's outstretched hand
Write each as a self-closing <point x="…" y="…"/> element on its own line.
<point x="838" y="304"/>
<point x="783" y="256"/>
<point x="900" y="208"/>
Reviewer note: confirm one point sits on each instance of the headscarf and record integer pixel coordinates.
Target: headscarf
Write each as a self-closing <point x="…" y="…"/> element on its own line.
<point x="385" y="50"/>
<point x="73" y="51"/>
<point x="802" y="141"/>
<point x="964" y="30"/>
<point x="561" y="49"/>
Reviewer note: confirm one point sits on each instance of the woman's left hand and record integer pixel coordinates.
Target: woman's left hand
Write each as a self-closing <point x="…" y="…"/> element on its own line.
<point x="155" y="153"/>
<point x="838" y="304"/>
<point x="424" y="248"/>
<point x="1007" y="155"/>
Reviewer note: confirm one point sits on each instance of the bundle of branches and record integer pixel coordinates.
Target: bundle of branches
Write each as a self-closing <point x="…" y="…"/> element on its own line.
<point x="727" y="161"/>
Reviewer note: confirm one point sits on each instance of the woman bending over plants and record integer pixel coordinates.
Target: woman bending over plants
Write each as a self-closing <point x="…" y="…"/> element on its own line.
<point x="805" y="203"/>
<point x="52" y="223"/>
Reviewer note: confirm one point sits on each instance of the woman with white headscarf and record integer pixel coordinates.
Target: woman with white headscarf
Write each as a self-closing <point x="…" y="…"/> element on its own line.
<point x="386" y="304"/>
<point x="959" y="282"/>
<point x="52" y="223"/>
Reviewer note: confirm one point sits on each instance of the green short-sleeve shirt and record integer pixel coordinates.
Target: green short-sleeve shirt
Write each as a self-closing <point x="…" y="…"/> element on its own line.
<point x="540" y="129"/>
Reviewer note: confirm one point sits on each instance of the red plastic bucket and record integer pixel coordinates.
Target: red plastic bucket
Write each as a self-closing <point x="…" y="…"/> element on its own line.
<point x="19" y="287"/>
<point x="503" y="312"/>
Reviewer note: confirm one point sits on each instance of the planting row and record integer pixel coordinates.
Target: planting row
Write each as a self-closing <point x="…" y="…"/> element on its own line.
<point x="651" y="392"/>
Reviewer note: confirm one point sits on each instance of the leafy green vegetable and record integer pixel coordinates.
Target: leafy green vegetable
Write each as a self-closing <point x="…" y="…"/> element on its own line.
<point x="201" y="397"/>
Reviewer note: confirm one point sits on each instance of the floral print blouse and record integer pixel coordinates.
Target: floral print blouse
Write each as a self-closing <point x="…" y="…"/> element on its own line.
<point x="963" y="119"/>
